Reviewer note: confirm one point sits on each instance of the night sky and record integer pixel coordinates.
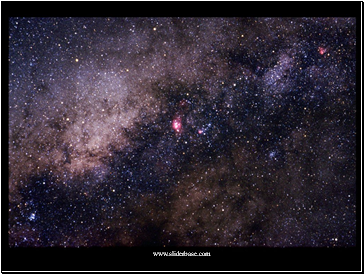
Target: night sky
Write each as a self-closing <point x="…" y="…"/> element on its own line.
<point x="182" y="132"/>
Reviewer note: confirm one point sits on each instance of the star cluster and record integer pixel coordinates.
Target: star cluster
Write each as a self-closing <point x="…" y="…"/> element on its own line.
<point x="182" y="132"/>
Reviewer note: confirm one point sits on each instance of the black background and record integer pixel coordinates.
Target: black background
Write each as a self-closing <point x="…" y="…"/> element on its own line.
<point x="98" y="259"/>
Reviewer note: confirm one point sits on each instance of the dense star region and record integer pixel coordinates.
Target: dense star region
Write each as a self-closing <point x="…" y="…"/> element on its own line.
<point x="182" y="132"/>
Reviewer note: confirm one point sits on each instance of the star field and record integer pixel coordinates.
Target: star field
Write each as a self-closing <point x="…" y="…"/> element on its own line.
<point x="182" y="132"/>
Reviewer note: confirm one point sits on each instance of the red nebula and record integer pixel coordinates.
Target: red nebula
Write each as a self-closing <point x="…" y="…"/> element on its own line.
<point x="322" y="50"/>
<point x="177" y="124"/>
<point x="183" y="104"/>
